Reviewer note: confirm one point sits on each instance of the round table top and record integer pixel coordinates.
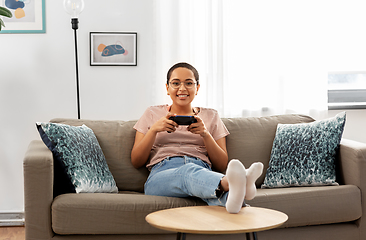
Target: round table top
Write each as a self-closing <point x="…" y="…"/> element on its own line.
<point x="216" y="220"/>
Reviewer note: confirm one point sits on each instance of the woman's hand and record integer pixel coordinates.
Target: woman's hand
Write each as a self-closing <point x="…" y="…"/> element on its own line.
<point x="164" y="124"/>
<point x="216" y="150"/>
<point x="143" y="143"/>
<point x="198" y="127"/>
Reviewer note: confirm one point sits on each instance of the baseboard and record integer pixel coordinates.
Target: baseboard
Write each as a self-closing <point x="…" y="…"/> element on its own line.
<point x="11" y="219"/>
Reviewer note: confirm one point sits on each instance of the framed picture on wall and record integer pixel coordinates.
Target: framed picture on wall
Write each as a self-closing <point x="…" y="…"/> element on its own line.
<point x="28" y="16"/>
<point x="113" y="49"/>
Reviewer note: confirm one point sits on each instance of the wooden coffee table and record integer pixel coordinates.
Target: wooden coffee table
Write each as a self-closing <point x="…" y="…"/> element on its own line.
<point x="216" y="220"/>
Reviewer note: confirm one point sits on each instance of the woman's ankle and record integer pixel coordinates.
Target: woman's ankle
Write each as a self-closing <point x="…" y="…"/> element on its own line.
<point x="224" y="184"/>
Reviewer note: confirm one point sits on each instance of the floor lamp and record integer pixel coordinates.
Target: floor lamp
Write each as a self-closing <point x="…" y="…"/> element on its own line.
<point x="74" y="8"/>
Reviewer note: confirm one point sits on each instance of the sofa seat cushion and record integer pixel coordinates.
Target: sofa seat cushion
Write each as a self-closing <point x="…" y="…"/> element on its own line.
<point x="312" y="205"/>
<point x="124" y="213"/>
<point x="103" y="213"/>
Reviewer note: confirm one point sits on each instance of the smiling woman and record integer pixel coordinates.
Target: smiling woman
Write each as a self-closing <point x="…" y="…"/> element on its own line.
<point x="181" y="158"/>
<point x="182" y="87"/>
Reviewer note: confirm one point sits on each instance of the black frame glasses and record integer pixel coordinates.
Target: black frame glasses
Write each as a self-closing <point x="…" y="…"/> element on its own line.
<point x="175" y="84"/>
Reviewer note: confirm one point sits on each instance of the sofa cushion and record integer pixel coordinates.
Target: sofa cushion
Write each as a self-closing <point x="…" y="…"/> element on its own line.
<point x="304" y="154"/>
<point x="312" y="205"/>
<point x="251" y="138"/>
<point x="102" y="213"/>
<point x="116" y="139"/>
<point x="79" y="155"/>
<point x="125" y="213"/>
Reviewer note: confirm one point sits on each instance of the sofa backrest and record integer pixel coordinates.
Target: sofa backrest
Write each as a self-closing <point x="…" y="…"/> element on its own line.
<point x="250" y="140"/>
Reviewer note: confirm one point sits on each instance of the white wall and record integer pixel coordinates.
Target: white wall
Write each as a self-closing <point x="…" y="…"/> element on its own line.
<point x="355" y="128"/>
<point x="37" y="82"/>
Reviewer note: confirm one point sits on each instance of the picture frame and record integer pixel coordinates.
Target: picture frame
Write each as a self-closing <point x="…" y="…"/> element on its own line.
<point x="113" y="48"/>
<point x="28" y="16"/>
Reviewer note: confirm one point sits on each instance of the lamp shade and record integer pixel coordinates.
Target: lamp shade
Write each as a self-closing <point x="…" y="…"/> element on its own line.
<point x="74" y="7"/>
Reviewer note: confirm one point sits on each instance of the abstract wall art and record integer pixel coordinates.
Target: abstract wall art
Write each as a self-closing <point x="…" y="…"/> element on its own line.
<point x="113" y="49"/>
<point x="28" y="16"/>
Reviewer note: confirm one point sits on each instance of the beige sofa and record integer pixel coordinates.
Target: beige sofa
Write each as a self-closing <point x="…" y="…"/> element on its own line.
<point x="326" y="212"/>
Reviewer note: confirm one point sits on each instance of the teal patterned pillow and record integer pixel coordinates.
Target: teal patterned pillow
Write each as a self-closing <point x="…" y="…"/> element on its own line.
<point x="77" y="151"/>
<point x="304" y="154"/>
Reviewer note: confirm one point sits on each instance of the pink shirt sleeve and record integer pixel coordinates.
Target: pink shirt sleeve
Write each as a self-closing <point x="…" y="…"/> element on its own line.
<point x="143" y="124"/>
<point x="150" y="116"/>
<point x="217" y="128"/>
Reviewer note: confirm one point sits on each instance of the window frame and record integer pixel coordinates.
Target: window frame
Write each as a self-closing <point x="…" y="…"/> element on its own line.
<point x="339" y="99"/>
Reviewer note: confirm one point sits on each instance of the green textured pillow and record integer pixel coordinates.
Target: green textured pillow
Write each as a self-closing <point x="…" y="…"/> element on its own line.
<point x="78" y="156"/>
<point x="304" y="154"/>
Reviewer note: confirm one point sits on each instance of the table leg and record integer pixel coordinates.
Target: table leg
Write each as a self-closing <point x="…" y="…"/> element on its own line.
<point x="247" y="236"/>
<point x="181" y="236"/>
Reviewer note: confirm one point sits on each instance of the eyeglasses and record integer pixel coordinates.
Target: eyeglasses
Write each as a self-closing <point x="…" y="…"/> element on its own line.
<point x="187" y="84"/>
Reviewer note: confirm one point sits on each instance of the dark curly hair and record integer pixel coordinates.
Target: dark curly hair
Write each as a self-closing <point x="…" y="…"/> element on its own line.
<point x="183" y="65"/>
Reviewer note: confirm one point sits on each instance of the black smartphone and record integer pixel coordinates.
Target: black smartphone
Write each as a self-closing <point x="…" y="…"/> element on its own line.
<point x="183" y="120"/>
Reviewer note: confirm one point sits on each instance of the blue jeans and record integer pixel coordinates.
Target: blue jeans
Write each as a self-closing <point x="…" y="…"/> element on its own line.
<point x="184" y="177"/>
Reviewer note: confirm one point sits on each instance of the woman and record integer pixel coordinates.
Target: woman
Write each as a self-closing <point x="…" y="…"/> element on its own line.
<point x="180" y="158"/>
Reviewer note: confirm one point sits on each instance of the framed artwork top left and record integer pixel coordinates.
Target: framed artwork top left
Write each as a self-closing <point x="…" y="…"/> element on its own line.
<point x="28" y="16"/>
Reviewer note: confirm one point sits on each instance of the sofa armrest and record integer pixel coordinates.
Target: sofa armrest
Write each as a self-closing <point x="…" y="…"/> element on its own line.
<point x="352" y="160"/>
<point x="352" y="165"/>
<point x="38" y="191"/>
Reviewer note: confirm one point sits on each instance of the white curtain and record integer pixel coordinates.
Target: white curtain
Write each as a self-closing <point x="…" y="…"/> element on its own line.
<point x="255" y="58"/>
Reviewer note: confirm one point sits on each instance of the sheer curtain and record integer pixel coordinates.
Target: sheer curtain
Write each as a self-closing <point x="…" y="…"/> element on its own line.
<point x="254" y="58"/>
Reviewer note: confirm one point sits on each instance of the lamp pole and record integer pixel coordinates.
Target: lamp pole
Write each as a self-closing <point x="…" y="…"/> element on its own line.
<point x="75" y="26"/>
<point x="74" y="8"/>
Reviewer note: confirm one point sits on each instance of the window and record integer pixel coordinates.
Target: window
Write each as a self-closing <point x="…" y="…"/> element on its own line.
<point x="346" y="90"/>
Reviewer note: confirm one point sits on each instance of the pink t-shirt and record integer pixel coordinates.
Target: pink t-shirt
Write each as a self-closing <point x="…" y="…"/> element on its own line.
<point x="181" y="142"/>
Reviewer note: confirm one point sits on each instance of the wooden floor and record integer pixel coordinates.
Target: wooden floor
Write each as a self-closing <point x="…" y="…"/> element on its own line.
<point x="12" y="233"/>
